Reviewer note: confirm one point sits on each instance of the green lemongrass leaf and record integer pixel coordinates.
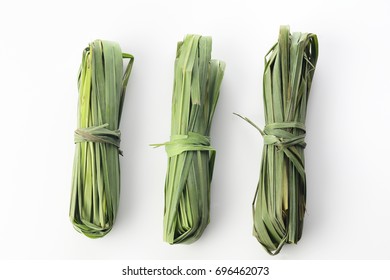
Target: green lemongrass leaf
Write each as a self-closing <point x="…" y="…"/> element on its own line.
<point x="96" y="174"/>
<point x="197" y="84"/>
<point x="280" y="198"/>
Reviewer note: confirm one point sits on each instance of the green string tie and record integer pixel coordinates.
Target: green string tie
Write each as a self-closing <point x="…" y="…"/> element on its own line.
<point x="184" y="143"/>
<point x="274" y="134"/>
<point x="98" y="134"/>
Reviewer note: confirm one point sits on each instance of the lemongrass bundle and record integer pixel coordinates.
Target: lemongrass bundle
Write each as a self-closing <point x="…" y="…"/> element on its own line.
<point x="190" y="157"/>
<point x="280" y="199"/>
<point x="96" y="174"/>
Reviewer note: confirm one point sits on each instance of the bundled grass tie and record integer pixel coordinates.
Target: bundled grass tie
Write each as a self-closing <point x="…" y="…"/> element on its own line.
<point x="96" y="174"/>
<point x="98" y="134"/>
<point x="185" y="143"/>
<point x="280" y="200"/>
<point x="190" y="157"/>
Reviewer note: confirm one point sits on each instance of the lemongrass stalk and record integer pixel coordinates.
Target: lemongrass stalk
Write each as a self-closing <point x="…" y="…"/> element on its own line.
<point x="280" y="200"/>
<point x="96" y="174"/>
<point x="190" y="157"/>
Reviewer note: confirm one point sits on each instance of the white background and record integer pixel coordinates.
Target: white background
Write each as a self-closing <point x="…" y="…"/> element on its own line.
<point x="347" y="157"/>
